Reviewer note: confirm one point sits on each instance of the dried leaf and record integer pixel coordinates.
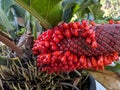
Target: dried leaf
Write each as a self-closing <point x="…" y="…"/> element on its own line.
<point x="23" y="40"/>
<point x="6" y="73"/>
<point x="11" y="45"/>
<point x="14" y="87"/>
<point x="76" y="81"/>
<point x="26" y="86"/>
<point x="21" y="21"/>
<point x="1" y="85"/>
<point x="110" y="80"/>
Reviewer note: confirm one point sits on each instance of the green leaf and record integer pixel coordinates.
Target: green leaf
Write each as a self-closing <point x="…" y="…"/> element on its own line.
<point x="81" y="8"/>
<point x="48" y="12"/>
<point x="20" y="12"/>
<point x="85" y="4"/>
<point x="6" y="4"/>
<point x="22" y="31"/>
<point x="70" y="7"/>
<point x="82" y="13"/>
<point x="96" y="11"/>
<point x="4" y="20"/>
<point x="115" y="68"/>
<point x="69" y="3"/>
<point x="95" y="1"/>
<point x="67" y="14"/>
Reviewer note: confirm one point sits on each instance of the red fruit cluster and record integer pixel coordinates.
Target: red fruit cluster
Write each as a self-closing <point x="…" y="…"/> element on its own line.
<point x="111" y="21"/>
<point x="71" y="46"/>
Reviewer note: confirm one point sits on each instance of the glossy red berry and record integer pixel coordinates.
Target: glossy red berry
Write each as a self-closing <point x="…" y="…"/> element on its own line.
<point x="94" y="63"/>
<point x="111" y="21"/>
<point x="68" y="33"/>
<point x="74" y="26"/>
<point x="65" y="26"/>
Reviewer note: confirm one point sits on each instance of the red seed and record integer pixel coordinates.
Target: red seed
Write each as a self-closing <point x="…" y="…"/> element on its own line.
<point x="57" y="53"/>
<point x="85" y="34"/>
<point x="74" y="26"/>
<point x="88" y="40"/>
<point x="53" y="59"/>
<point x="100" y="61"/>
<point x="94" y="44"/>
<point x="92" y="34"/>
<point x="67" y="53"/>
<point x="60" y="36"/>
<point x="75" y="59"/>
<point x="44" y="61"/>
<point x="78" y="24"/>
<point x="82" y="59"/>
<point x="70" y="62"/>
<point x="115" y="54"/>
<point x="89" y="64"/>
<point x="111" y="21"/>
<point x="52" y="43"/>
<point x="63" y="59"/>
<point x="109" y="59"/>
<point x="117" y="22"/>
<point x="58" y="32"/>
<point x="75" y="33"/>
<point x="66" y="68"/>
<point x="67" y="33"/>
<point x="101" y="67"/>
<point x="94" y="62"/>
<point x="38" y="64"/>
<point x="106" y="61"/>
<point x="65" y="26"/>
<point x="41" y="56"/>
<point x="70" y="57"/>
<point x="56" y="39"/>
<point x="54" y="47"/>
<point x="92" y="23"/>
<point x="48" y="56"/>
<point x="35" y="52"/>
<point x="55" y="69"/>
<point x="91" y="31"/>
<point x="47" y="44"/>
<point x="86" y="27"/>
<point x="84" y="22"/>
<point x="85" y="63"/>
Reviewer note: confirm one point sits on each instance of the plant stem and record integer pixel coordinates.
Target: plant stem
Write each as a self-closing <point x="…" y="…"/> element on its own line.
<point x="4" y="60"/>
<point x="5" y="35"/>
<point x="68" y="84"/>
<point x="77" y="72"/>
<point x="11" y="45"/>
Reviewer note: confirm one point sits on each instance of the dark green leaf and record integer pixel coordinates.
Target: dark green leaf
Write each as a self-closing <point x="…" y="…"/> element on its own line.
<point x="70" y="7"/>
<point x="96" y="11"/>
<point x="85" y="4"/>
<point x="83" y="12"/>
<point x="67" y="14"/>
<point x="95" y="1"/>
<point x="4" y="20"/>
<point x="69" y="3"/>
<point x="50" y="10"/>
<point x="20" y="12"/>
<point x="115" y="68"/>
